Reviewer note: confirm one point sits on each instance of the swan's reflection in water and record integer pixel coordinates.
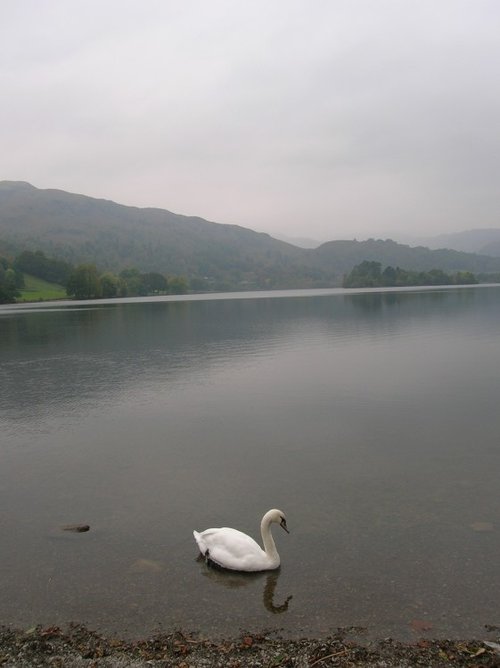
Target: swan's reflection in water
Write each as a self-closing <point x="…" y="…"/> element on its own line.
<point x="268" y="594"/>
<point x="236" y="580"/>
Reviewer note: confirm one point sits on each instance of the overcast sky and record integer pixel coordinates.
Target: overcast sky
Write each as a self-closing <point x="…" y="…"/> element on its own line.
<point x="320" y="118"/>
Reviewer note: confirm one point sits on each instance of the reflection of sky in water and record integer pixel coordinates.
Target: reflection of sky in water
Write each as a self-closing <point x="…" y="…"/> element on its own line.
<point x="370" y="419"/>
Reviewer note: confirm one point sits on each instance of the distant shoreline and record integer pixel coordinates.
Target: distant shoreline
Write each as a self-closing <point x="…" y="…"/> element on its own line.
<point x="247" y="294"/>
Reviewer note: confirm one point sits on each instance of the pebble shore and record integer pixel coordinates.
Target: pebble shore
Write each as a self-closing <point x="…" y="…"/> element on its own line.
<point x="78" y="647"/>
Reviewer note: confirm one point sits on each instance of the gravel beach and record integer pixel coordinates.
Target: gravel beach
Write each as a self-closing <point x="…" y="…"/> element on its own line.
<point x="76" y="646"/>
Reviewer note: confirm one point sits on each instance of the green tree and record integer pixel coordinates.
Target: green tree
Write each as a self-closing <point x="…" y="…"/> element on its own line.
<point x="367" y="274"/>
<point x="37" y="264"/>
<point x="389" y="276"/>
<point x="465" y="278"/>
<point x="154" y="282"/>
<point x="437" y="277"/>
<point x="109" y="285"/>
<point x="84" y="283"/>
<point x="177" y="285"/>
<point x="131" y="283"/>
<point x="10" y="282"/>
<point x="199" y="284"/>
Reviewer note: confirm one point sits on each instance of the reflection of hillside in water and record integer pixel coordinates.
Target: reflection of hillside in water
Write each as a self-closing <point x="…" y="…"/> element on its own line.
<point x="374" y="302"/>
<point x="82" y="353"/>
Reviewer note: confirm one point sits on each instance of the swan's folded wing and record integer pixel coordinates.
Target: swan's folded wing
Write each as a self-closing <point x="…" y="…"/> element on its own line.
<point x="232" y="549"/>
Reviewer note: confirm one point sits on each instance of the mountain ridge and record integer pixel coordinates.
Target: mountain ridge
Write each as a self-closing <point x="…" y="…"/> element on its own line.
<point x="78" y="228"/>
<point x="481" y="240"/>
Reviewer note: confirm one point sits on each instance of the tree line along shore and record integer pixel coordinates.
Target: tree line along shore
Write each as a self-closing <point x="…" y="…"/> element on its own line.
<point x="32" y="276"/>
<point x="83" y="281"/>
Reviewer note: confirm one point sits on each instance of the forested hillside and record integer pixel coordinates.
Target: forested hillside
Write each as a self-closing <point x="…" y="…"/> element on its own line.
<point x="77" y="229"/>
<point x="344" y="255"/>
<point x="81" y="229"/>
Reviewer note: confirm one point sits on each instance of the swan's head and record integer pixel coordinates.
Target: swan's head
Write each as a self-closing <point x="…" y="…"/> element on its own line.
<point x="277" y="516"/>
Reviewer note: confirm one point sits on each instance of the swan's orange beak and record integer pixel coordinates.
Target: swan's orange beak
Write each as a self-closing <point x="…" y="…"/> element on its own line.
<point x="283" y="525"/>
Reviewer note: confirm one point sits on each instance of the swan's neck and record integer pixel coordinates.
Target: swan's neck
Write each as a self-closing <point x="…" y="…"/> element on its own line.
<point x="267" y="538"/>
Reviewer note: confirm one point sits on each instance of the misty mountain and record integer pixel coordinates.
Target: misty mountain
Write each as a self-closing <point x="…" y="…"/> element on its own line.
<point x="482" y="241"/>
<point x="346" y="254"/>
<point x="77" y="229"/>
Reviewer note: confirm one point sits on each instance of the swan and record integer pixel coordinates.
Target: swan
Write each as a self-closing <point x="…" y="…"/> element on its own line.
<point x="234" y="550"/>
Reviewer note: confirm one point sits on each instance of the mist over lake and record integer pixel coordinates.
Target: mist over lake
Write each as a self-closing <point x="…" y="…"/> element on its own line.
<point x="370" y="417"/>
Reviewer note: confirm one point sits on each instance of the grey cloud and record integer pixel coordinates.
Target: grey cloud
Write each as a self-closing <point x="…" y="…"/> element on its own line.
<point x="329" y="119"/>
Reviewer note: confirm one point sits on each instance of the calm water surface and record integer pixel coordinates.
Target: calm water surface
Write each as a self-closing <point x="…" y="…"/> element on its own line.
<point x="372" y="419"/>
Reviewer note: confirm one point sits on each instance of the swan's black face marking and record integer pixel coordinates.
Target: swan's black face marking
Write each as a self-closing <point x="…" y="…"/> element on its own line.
<point x="283" y="524"/>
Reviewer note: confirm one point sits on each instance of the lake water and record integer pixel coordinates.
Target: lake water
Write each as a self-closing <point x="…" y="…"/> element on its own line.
<point x="371" y="418"/>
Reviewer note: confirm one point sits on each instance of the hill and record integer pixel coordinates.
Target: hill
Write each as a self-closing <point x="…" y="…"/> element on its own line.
<point x="76" y="228"/>
<point x="483" y="241"/>
<point x="344" y="255"/>
<point x="79" y="229"/>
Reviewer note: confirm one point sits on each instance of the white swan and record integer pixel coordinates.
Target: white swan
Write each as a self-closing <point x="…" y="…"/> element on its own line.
<point x="232" y="549"/>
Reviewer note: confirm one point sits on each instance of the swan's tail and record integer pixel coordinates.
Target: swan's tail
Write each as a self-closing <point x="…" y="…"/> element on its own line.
<point x="200" y="542"/>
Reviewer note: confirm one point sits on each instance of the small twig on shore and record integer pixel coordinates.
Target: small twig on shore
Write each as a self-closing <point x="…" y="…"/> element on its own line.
<point x="328" y="656"/>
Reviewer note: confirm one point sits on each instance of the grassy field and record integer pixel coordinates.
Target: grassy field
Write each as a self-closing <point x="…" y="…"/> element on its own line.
<point x="36" y="290"/>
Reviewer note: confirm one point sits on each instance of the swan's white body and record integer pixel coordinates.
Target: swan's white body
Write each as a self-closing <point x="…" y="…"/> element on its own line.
<point x="232" y="549"/>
